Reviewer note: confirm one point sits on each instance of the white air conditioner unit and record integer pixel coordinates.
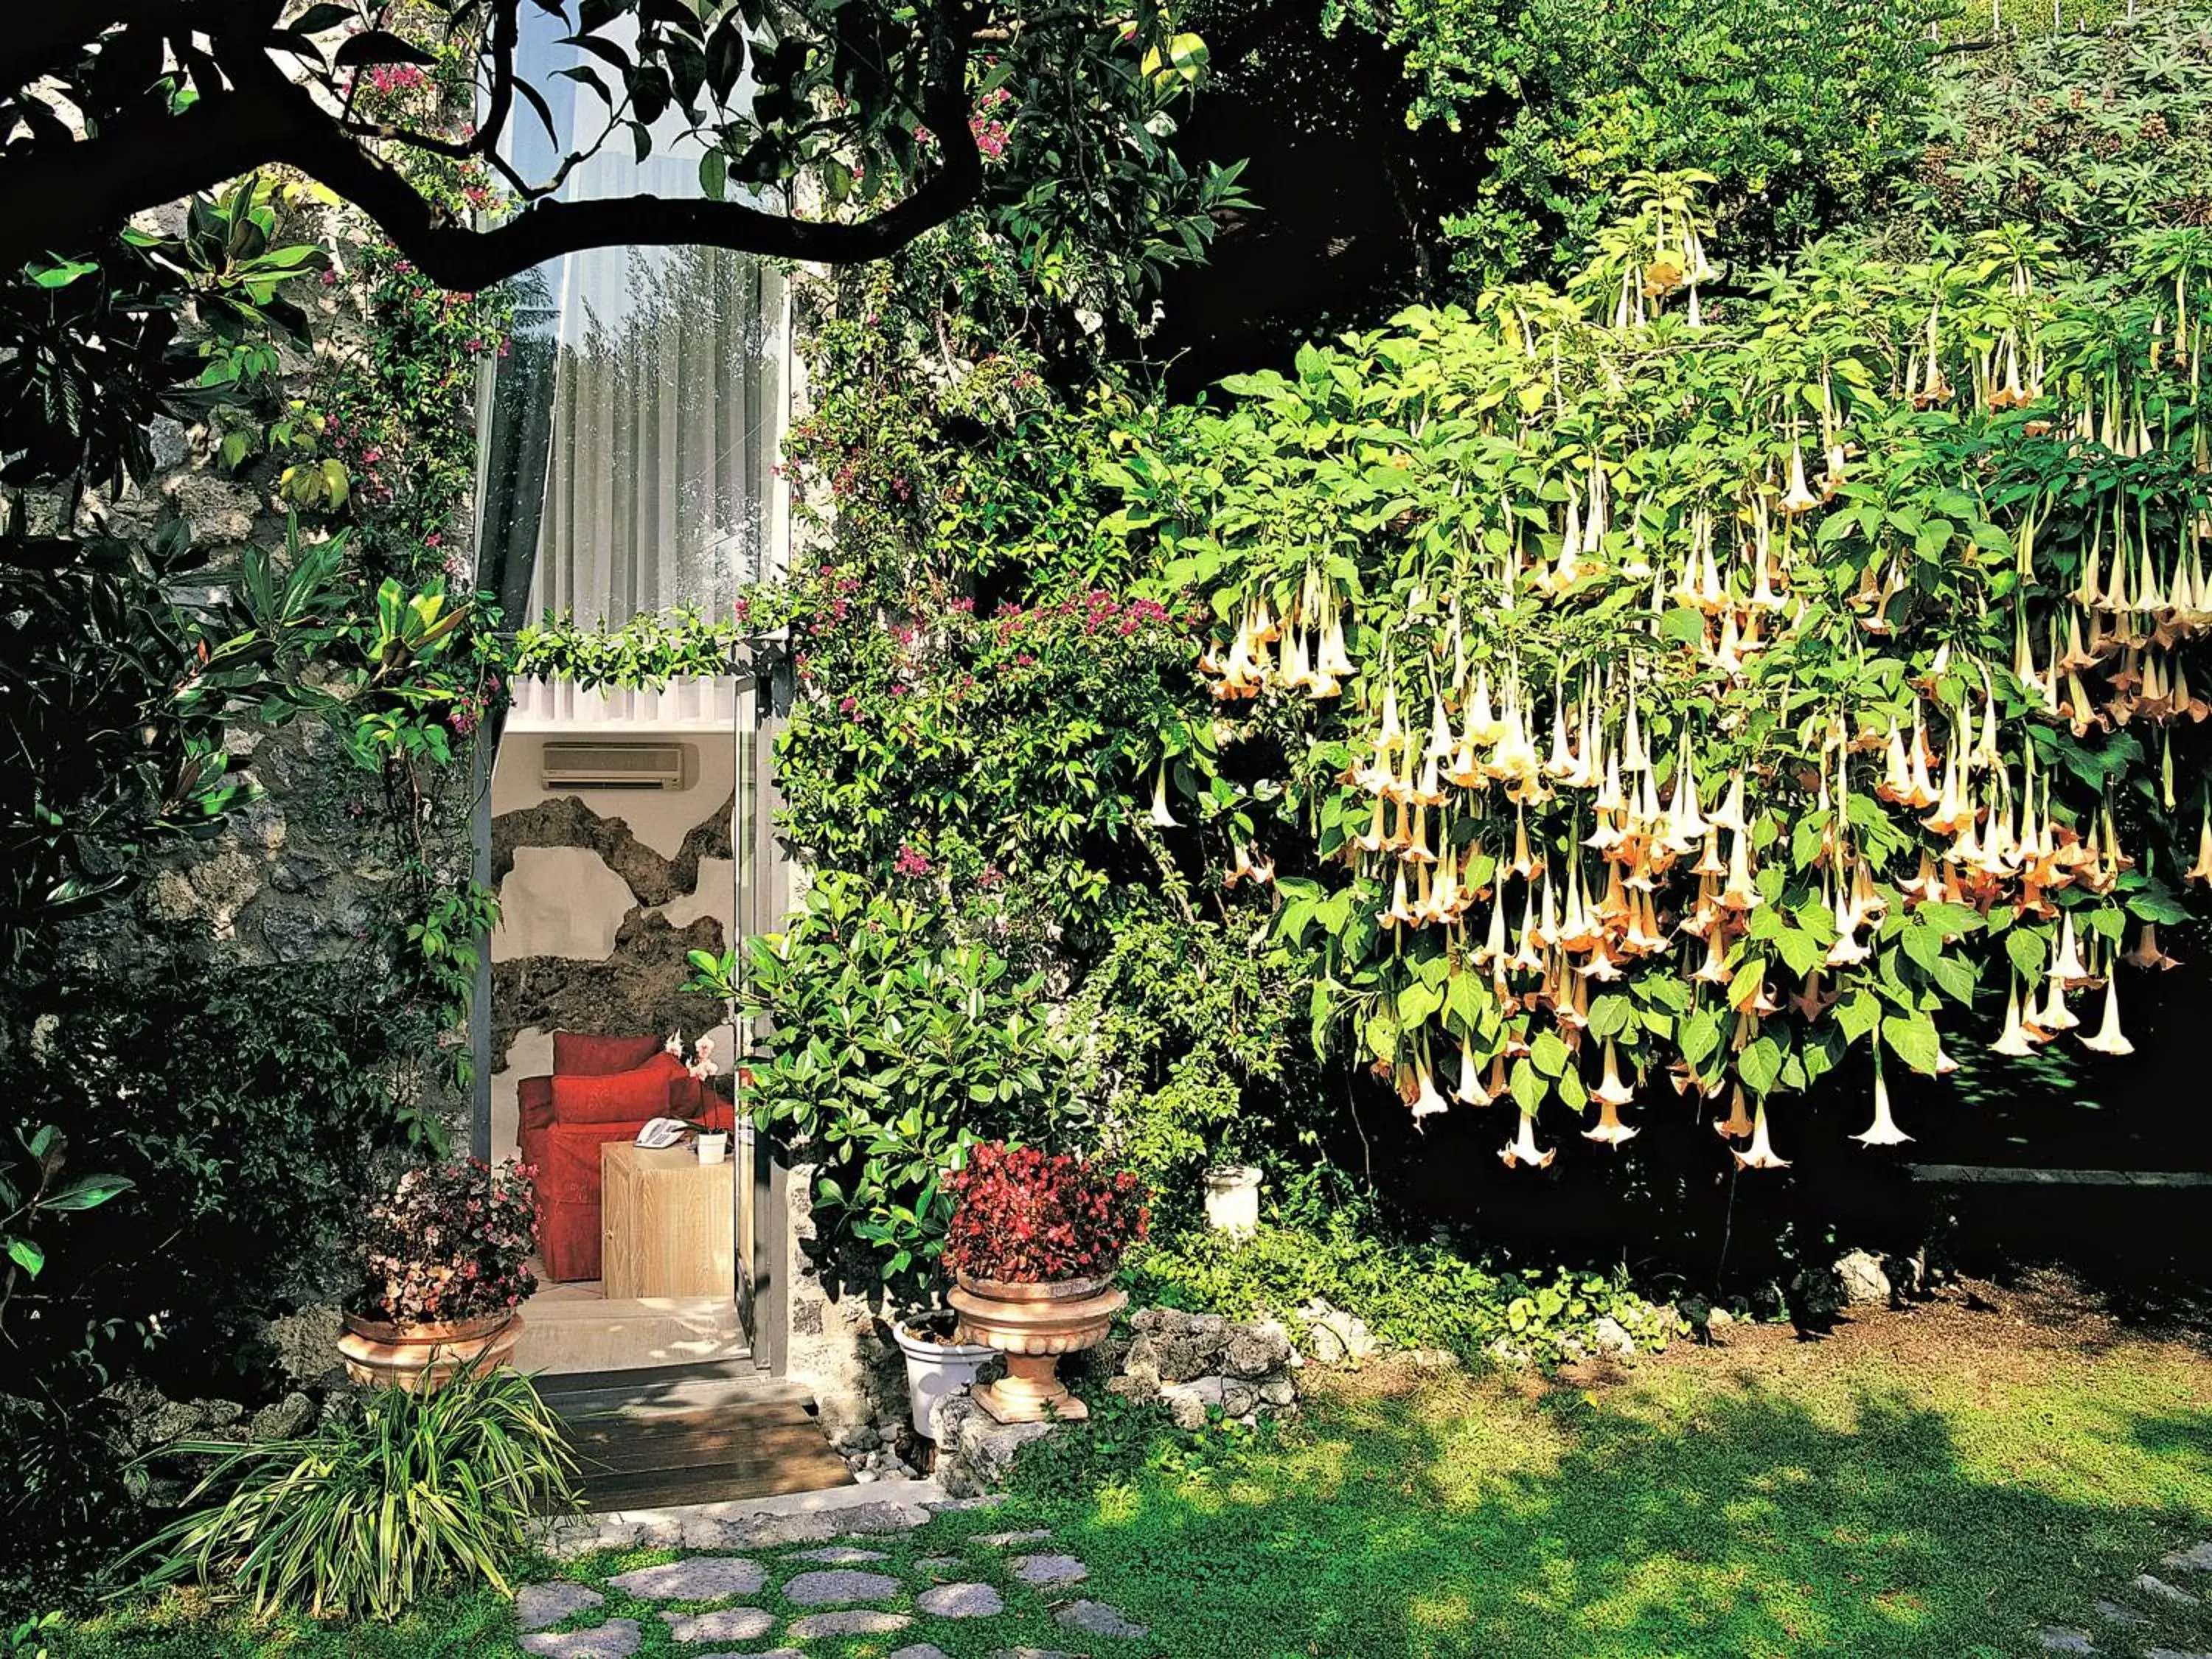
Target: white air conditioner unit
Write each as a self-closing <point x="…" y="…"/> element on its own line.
<point x="612" y="765"/>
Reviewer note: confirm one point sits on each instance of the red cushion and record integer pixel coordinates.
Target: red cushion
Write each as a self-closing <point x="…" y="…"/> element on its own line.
<point x="533" y="1102"/>
<point x="578" y="1055"/>
<point x="631" y="1096"/>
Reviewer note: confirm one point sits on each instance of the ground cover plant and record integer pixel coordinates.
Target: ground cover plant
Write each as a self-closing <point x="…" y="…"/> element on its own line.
<point x="1923" y="1486"/>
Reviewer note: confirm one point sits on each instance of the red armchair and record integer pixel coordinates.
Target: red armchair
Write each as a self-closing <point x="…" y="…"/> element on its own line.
<point x="601" y="1089"/>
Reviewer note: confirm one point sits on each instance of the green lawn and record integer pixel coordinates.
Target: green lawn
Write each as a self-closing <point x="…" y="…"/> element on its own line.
<point x="1937" y="1484"/>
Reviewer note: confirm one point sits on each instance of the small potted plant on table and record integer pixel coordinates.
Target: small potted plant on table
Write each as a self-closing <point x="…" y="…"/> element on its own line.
<point x="1033" y="1246"/>
<point x="445" y="1265"/>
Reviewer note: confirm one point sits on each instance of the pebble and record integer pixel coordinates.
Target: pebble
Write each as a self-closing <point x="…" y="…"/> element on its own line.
<point x="2054" y="1640"/>
<point x="702" y="1578"/>
<point x="1050" y="1570"/>
<point x="962" y="1601"/>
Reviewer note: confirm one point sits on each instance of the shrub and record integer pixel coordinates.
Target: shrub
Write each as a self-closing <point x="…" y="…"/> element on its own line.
<point x="1026" y="1216"/>
<point x="1409" y="1295"/>
<point x="895" y="1048"/>
<point x="450" y="1242"/>
<point x="1802" y="111"/>
<point x="370" y="1512"/>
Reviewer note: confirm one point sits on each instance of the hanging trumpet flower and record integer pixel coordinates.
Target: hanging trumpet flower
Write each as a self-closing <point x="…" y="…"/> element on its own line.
<point x="1160" y="815"/>
<point x="1883" y="1131"/>
<point x="1522" y="1148"/>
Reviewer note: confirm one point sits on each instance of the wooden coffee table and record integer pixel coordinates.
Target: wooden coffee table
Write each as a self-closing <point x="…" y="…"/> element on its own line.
<point x="665" y="1222"/>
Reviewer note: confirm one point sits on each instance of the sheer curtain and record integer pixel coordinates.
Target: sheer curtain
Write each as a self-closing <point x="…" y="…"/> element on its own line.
<point x="632" y="426"/>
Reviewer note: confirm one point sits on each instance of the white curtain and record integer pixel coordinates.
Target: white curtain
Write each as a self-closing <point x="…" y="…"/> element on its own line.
<point x="665" y="371"/>
<point x="664" y="405"/>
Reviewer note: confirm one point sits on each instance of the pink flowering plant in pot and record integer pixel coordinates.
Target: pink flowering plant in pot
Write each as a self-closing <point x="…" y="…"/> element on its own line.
<point x="1035" y="1240"/>
<point x="444" y="1263"/>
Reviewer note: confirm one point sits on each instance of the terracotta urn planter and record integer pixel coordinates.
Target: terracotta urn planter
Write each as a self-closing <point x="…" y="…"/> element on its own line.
<point x="421" y="1358"/>
<point x="1033" y="1325"/>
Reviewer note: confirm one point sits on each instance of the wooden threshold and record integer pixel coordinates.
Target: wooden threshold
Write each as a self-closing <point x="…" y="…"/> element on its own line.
<point x="691" y="1434"/>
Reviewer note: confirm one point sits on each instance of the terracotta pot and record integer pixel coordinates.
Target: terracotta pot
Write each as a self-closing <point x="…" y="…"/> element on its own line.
<point x="1033" y="1325"/>
<point x="419" y="1357"/>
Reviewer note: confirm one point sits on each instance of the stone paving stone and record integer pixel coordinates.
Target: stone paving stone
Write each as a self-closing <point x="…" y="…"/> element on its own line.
<point x="702" y="1578"/>
<point x="922" y="1650"/>
<point x="618" y="1639"/>
<point x="723" y="1625"/>
<point x="773" y="1653"/>
<point x="940" y="1566"/>
<point x="537" y="1606"/>
<point x="2172" y="1653"/>
<point x="856" y="1621"/>
<point x="1033" y="1653"/>
<point x="2160" y="1589"/>
<point x="961" y="1602"/>
<point x="1050" y="1570"/>
<point x="998" y="1540"/>
<point x="837" y="1555"/>
<point x="2055" y="1640"/>
<point x="2197" y="1558"/>
<point x="821" y="1589"/>
<point x="2113" y="1614"/>
<point x="1098" y="1619"/>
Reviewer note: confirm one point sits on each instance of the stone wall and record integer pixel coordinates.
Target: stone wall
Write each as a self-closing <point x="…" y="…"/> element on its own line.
<point x="1191" y="1365"/>
<point x="839" y="1347"/>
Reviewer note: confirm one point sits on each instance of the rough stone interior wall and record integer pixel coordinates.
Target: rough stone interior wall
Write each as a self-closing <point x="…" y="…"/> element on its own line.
<point x="601" y="893"/>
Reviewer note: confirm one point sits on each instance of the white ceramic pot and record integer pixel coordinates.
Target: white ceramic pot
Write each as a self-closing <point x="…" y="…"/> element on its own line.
<point x="934" y="1370"/>
<point x="714" y="1147"/>
<point x="1233" y="1199"/>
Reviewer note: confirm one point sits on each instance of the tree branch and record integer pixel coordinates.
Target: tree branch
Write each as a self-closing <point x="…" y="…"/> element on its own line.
<point x="53" y="199"/>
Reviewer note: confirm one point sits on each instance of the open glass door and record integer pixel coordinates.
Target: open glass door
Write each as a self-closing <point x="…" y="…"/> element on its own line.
<point x="629" y="434"/>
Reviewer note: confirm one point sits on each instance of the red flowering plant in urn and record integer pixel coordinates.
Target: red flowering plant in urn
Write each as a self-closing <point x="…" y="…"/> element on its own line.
<point x="445" y="1265"/>
<point x="1033" y="1245"/>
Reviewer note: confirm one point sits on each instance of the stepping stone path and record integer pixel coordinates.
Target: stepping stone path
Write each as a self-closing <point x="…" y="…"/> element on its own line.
<point x="618" y="1639"/>
<point x="2129" y="1624"/>
<point x="724" y="1625"/>
<point x="1098" y="1619"/>
<point x="828" y="1588"/>
<point x="854" y="1621"/>
<point x="832" y="1589"/>
<point x="702" y="1578"/>
<point x="1050" y="1570"/>
<point x="540" y="1605"/>
<point x="962" y="1601"/>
